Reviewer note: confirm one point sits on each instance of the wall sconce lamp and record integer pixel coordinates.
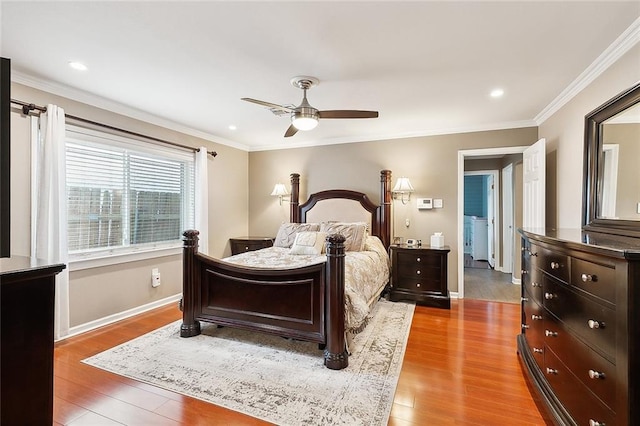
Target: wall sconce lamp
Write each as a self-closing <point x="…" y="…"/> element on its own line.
<point x="280" y="191"/>
<point x="402" y="190"/>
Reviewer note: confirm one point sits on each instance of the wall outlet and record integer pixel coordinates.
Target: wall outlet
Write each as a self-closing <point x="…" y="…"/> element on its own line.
<point x="407" y="223"/>
<point x="155" y="277"/>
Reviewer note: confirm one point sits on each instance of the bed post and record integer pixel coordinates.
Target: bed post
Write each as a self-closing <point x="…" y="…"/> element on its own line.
<point x="190" y="327"/>
<point x="294" y="212"/>
<point x="384" y="220"/>
<point x="335" y="352"/>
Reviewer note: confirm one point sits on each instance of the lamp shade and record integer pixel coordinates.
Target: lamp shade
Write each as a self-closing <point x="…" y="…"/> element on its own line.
<point x="403" y="185"/>
<point x="279" y="190"/>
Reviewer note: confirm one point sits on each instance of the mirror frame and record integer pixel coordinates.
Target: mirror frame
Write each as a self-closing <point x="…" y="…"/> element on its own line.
<point x="594" y="166"/>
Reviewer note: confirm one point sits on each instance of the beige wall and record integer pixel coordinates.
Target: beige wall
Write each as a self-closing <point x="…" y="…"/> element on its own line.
<point x="99" y="292"/>
<point x="564" y="132"/>
<point x="429" y="162"/>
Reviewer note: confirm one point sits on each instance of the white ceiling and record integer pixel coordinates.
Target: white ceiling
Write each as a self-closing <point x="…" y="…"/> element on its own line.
<point x="427" y="67"/>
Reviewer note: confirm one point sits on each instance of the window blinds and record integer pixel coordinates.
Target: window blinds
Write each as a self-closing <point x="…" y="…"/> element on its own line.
<point x="124" y="198"/>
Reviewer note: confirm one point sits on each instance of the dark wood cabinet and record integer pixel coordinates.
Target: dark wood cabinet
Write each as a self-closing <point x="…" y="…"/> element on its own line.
<point x="26" y="349"/>
<point x="419" y="274"/>
<point x="580" y="329"/>
<point x="243" y="244"/>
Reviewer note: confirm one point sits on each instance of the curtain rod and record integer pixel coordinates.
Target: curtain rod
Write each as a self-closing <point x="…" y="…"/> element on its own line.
<point x="27" y="108"/>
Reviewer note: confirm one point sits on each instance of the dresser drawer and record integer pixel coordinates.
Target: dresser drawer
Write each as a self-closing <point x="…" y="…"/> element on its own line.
<point x="242" y="245"/>
<point x="579" y="401"/>
<point x="533" y="329"/>
<point x="533" y="285"/>
<point x="553" y="263"/>
<point x="593" y="278"/>
<point x="593" y="370"/>
<point x="592" y="321"/>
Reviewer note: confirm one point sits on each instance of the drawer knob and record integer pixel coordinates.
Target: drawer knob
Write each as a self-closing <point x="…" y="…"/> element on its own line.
<point x="418" y="272"/>
<point x="524" y="299"/>
<point x="524" y="326"/>
<point x="246" y="247"/>
<point x="595" y="324"/>
<point x="550" y="333"/>
<point x="588" y="278"/>
<point x="418" y="260"/>
<point x="555" y="265"/>
<point x="533" y="254"/>
<point x="595" y="374"/>
<point x="537" y="350"/>
<point x="524" y="272"/>
<point x="536" y="317"/>
<point x="549" y="296"/>
<point x="596" y="423"/>
<point x="551" y="371"/>
<point x="418" y="285"/>
<point x="535" y="284"/>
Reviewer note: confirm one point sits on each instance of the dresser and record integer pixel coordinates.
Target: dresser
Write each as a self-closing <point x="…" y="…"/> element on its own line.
<point x="243" y="244"/>
<point x="419" y="274"/>
<point x="581" y="325"/>
<point x="26" y="346"/>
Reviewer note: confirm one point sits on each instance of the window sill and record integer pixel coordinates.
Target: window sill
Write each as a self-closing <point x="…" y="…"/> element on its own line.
<point x="78" y="264"/>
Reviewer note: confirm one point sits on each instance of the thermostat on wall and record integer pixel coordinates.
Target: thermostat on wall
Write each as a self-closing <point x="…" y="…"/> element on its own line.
<point x="425" y="203"/>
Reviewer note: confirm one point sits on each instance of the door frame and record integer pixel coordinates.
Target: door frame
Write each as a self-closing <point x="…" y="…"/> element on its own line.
<point x="494" y="201"/>
<point x="462" y="155"/>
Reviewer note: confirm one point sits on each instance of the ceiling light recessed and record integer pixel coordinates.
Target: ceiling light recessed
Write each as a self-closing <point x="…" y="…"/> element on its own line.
<point x="496" y="93"/>
<point x="78" y="66"/>
<point x="232" y="127"/>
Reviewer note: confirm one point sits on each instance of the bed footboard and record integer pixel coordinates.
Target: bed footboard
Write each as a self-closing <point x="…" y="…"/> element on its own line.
<point x="303" y="303"/>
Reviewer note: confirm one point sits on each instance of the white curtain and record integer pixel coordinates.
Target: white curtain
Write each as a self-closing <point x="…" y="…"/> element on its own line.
<point x="49" y="206"/>
<point x="202" y="200"/>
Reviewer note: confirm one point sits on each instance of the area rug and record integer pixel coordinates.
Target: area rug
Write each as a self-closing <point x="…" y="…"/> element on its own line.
<point x="279" y="380"/>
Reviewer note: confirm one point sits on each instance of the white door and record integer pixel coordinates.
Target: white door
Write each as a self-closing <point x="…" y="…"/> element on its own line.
<point x="491" y="257"/>
<point x="507" y="219"/>
<point x="533" y="195"/>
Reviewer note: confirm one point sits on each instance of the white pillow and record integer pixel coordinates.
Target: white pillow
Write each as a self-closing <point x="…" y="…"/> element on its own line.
<point x="354" y="233"/>
<point x="287" y="232"/>
<point x="308" y="243"/>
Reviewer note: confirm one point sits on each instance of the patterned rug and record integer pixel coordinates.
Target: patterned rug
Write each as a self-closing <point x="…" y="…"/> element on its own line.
<point x="271" y="378"/>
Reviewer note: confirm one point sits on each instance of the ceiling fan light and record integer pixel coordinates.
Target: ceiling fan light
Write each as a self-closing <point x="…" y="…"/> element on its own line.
<point x="304" y="123"/>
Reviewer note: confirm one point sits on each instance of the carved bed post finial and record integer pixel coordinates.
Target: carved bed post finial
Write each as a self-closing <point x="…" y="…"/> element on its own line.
<point x="385" y="207"/>
<point x="294" y="212"/>
<point x="190" y="327"/>
<point x="335" y="353"/>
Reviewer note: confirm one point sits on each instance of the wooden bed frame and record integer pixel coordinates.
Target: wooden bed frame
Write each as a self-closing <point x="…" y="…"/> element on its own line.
<point x="303" y="303"/>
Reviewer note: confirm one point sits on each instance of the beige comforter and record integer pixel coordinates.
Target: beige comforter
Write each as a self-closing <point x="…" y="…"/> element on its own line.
<point x="366" y="274"/>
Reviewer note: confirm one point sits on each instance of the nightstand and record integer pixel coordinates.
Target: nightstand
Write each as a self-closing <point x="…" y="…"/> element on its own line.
<point x="243" y="244"/>
<point x="419" y="274"/>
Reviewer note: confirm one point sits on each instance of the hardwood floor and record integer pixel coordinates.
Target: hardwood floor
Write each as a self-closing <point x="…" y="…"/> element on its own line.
<point x="460" y="368"/>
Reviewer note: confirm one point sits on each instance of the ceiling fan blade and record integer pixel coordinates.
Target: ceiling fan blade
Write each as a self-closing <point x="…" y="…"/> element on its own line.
<point x="268" y="104"/>
<point x="290" y="131"/>
<point x="347" y="113"/>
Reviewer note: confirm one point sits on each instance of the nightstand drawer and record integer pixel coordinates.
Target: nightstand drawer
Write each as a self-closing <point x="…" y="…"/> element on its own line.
<point x="419" y="285"/>
<point x="417" y="260"/>
<point x="244" y="244"/>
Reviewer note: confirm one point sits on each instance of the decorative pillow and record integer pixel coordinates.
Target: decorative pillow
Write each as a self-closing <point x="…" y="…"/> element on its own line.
<point x="287" y="233"/>
<point x="354" y="233"/>
<point x="308" y="243"/>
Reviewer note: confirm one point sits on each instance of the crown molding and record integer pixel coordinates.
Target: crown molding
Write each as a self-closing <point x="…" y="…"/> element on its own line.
<point x="628" y="39"/>
<point x="118" y="108"/>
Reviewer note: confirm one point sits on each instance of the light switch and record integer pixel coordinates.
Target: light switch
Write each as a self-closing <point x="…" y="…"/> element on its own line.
<point x="437" y="203"/>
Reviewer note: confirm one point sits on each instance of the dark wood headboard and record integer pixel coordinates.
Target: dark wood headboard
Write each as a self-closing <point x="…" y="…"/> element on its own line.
<point x="380" y="214"/>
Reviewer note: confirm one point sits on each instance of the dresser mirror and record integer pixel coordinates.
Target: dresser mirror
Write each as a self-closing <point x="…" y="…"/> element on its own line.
<point x="611" y="201"/>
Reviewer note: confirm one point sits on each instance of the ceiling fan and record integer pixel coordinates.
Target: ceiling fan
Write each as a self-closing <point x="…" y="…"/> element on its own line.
<point x="304" y="116"/>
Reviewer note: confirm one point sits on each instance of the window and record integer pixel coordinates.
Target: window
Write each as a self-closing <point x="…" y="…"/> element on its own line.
<point x="124" y="195"/>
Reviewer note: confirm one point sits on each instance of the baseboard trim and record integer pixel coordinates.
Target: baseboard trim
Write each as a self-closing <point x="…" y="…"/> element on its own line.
<point x="516" y="281"/>
<point x="101" y="322"/>
<point x="454" y="295"/>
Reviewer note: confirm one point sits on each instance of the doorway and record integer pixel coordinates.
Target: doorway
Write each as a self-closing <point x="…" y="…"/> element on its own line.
<point x="501" y="283"/>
